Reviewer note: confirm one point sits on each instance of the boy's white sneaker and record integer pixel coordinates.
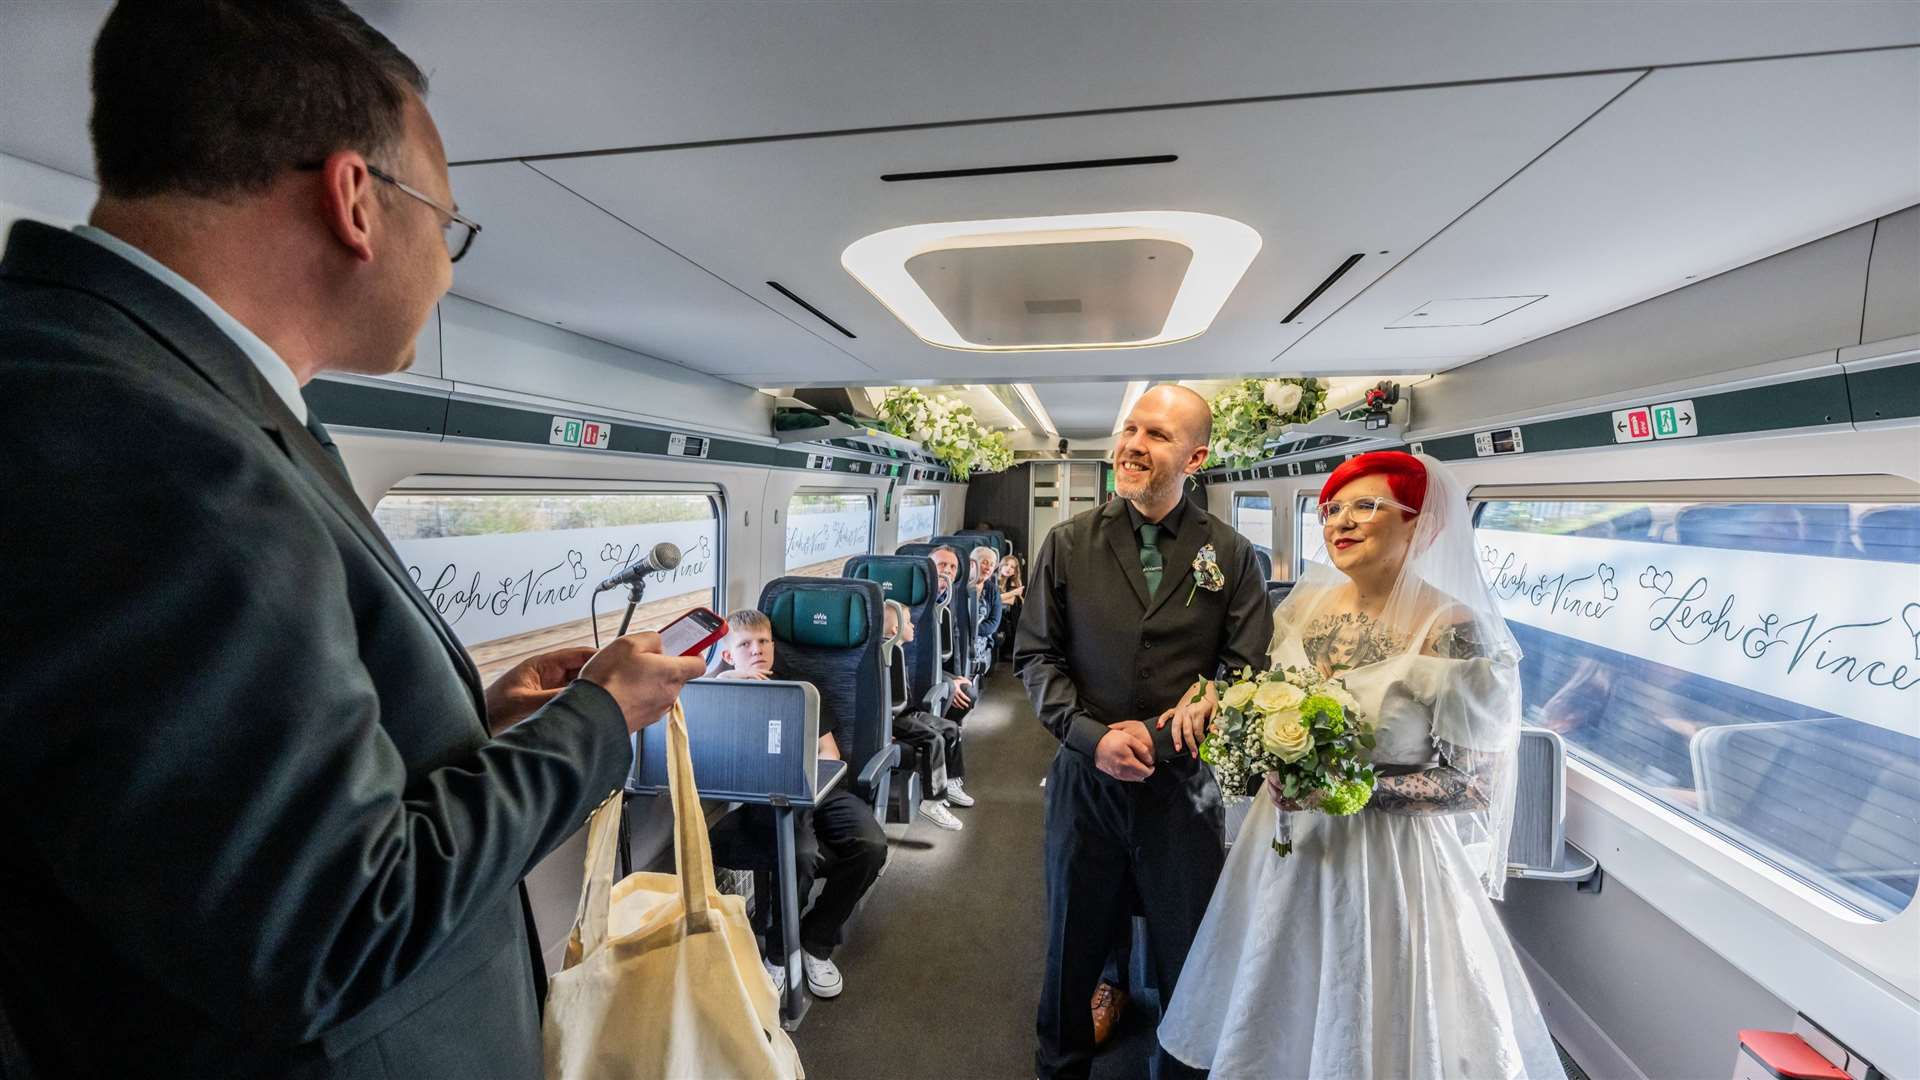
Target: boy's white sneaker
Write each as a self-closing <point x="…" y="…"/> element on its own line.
<point x="823" y="978"/>
<point x="957" y="794"/>
<point x="939" y="814"/>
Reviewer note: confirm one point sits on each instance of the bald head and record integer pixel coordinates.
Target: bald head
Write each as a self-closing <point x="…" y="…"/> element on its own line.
<point x="1191" y="410"/>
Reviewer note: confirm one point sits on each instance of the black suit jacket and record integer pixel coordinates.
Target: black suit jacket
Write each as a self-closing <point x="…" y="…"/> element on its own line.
<point x="1092" y="648"/>
<point x="254" y="822"/>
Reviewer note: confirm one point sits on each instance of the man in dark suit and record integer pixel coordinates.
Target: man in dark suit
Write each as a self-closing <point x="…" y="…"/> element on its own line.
<point x="1116" y="635"/>
<point x="261" y="818"/>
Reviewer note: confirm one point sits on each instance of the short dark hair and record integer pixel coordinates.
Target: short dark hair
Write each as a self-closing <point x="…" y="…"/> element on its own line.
<point x="215" y="98"/>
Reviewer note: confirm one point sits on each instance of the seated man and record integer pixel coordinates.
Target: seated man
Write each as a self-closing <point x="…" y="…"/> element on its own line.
<point x="837" y="841"/>
<point x="946" y="568"/>
<point x="934" y="740"/>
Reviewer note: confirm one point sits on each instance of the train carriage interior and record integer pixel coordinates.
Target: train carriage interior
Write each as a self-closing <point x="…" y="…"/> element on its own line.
<point x="790" y="285"/>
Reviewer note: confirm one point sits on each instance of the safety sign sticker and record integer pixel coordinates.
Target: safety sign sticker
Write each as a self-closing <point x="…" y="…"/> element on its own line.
<point x="1673" y="420"/>
<point x="586" y="434"/>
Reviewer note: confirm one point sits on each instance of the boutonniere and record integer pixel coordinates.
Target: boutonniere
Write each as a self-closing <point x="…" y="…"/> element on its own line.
<point x="1206" y="573"/>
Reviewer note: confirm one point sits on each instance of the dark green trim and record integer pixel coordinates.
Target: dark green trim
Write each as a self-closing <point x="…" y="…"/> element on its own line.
<point x="1802" y="403"/>
<point x="436" y="412"/>
<point x="345" y="404"/>
<point x="1885" y="393"/>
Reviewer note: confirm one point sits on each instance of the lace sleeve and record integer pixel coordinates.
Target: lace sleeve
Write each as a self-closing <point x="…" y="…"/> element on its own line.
<point x="1451" y="787"/>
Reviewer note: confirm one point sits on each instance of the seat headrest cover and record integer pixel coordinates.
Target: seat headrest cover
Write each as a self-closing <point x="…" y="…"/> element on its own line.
<point x="822" y="618"/>
<point x="903" y="581"/>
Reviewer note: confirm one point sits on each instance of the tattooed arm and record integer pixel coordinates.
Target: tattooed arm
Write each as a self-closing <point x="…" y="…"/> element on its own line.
<point x="1452" y="786"/>
<point x="1448" y="788"/>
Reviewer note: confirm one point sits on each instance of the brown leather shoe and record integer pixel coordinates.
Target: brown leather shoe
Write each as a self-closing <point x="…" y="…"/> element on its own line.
<point x="1109" y="1001"/>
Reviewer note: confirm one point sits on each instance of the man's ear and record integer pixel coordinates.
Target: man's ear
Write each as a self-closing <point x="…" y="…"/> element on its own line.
<point x="346" y="201"/>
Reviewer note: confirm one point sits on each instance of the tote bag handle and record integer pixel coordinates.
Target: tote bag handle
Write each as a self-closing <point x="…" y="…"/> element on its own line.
<point x="693" y="854"/>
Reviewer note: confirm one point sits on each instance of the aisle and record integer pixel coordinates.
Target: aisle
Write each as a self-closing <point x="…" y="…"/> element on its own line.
<point x="943" y="965"/>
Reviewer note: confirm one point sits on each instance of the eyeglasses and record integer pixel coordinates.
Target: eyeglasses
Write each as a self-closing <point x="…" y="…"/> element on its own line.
<point x="1361" y="510"/>
<point x="458" y="230"/>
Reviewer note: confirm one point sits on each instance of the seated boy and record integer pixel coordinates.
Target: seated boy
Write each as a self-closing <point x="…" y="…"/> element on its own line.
<point x="926" y="735"/>
<point x="838" y="841"/>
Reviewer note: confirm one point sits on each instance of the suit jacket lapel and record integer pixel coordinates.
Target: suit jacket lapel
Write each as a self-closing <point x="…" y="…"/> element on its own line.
<point x="1196" y="533"/>
<point x="1118" y="529"/>
<point x="327" y="475"/>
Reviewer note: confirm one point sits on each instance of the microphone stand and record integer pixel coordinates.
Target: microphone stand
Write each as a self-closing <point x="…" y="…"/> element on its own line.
<point x="635" y="591"/>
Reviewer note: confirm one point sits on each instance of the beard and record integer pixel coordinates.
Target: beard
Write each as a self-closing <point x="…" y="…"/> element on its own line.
<point x="1155" y="487"/>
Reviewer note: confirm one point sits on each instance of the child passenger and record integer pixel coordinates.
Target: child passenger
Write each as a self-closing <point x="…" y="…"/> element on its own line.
<point x="838" y="840"/>
<point x="926" y="735"/>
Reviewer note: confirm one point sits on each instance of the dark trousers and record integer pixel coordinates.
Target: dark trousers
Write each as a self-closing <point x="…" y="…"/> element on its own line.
<point x="839" y="842"/>
<point x="934" y="742"/>
<point x="1164" y="836"/>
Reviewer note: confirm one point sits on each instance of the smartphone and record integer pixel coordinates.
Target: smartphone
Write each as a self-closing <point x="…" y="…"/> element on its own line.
<point x="690" y="634"/>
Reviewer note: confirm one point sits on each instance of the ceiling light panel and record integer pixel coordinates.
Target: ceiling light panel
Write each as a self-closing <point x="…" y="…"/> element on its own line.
<point x="1076" y="281"/>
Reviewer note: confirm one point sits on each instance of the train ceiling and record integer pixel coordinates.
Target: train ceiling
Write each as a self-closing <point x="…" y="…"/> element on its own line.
<point x="645" y="171"/>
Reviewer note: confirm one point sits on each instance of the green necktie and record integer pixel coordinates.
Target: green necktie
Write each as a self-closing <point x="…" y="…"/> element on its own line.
<point x="1150" y="562"/>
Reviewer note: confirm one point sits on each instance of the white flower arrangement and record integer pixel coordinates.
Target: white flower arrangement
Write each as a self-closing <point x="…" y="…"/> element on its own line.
<point x="1247" y="413"/>
<point x="948" y="429"/>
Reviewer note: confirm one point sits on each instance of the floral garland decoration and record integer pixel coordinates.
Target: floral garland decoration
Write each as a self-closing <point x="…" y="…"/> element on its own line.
<point x="949" y="431"/>
<point x="1248" y="412"/>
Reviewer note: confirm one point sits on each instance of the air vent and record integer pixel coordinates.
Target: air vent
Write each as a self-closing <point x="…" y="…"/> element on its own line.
<point x="1337" y="274"/>
<point x="814" y="311"/>
<point x="1043" y="166"/>
<point x="1053" y="307"/>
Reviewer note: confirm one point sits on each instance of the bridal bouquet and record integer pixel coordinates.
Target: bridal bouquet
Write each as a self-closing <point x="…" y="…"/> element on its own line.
<point x="1302" y="727"/>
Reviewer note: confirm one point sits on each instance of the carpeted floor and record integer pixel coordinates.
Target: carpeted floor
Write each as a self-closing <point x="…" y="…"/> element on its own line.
<point x="943" y="964"/>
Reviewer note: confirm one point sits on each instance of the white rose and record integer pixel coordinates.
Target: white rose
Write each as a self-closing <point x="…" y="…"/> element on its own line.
<point x="1277" y="696"/>
<point x="1238" y="695"/>
<point x="1339" y="693"/>
<point x="1284" y="397"/>
<point x="1285" y="737"/>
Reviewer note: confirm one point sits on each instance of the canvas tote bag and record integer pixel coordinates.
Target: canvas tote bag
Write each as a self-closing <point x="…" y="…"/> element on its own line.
<point x="662" y="979"/>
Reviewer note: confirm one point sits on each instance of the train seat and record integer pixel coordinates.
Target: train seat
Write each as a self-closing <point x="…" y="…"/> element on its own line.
<point x="1277" y="591"/>
<point x="1539" y="849"/>
<point x="830" y="634"/>
<point x="994" y="538"/>
<point x="1264" y="556"/>
<point x="1828" y="792"/>
<point x="909" y="579"/>
<point x="944" y="608"/>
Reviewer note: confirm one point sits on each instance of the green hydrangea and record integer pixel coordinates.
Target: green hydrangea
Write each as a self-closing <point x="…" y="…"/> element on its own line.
<point x="1346" y="797"/>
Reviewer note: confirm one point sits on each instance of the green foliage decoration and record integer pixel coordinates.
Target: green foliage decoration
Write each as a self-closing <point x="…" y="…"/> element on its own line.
<point x="948" y="429"/>
<point x="1250" y="411"/>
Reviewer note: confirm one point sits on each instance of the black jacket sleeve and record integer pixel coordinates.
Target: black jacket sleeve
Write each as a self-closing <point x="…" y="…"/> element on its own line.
<point x="1249" y="617"/>
<point x="205" y="763"/>
<point x="1040" y="651"/>
<point x="993" y="609"/>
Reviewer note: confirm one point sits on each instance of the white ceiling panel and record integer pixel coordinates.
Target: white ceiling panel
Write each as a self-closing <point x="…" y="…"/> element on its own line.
<point x="1082" y="410"/>
<point x="533" y="76"/>
<point x="1691" y="173"/>
<point x="1319" y="180"/>
<point x="547" y="254"/>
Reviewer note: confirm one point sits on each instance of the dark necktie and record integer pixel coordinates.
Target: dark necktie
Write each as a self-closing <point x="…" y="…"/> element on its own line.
<point x="319" y="431"/>
<point x="1150" y="562"/>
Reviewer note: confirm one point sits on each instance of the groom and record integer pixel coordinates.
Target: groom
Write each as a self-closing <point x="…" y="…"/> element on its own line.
<point x="1118" y="627"/>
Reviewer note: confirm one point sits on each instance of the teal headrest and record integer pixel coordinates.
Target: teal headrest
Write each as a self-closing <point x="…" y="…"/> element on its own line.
<point x="825" y="618"/>
<point x="905" y="582"/>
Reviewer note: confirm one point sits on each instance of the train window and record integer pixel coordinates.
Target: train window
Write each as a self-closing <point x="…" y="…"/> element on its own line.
<point x="919" y="515"/>
<point x="1753" y="666"/>
<point x="1310" y="540"/>
<point x="1253" y="519"/>
<point x="513" y="571"/>
<point x="824" y="528"/>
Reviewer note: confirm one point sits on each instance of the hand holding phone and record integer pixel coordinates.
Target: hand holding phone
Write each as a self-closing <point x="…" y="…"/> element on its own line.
<point x="690" y="634"/>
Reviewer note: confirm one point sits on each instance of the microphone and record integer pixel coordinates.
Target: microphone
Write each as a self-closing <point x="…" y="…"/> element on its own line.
<point x="662" y="557"/>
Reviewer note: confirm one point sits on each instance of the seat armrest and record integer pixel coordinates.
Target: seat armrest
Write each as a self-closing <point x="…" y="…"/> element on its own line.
<point x="877" y="765"/>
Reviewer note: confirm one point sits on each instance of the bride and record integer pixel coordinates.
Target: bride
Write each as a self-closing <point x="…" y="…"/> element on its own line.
<point x="1373" y="950"/>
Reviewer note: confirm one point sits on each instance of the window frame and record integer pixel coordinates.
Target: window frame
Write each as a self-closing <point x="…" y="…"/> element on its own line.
<point x="900" y="507"/>
<point x="873" y="516"/>
<point x="438" y="484"/>
<point x="1787" y="934"/>
<point x="1305" y="499"/>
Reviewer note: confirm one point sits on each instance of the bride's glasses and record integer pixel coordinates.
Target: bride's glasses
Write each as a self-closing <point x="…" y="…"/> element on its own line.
<point x="1361" y="510"/>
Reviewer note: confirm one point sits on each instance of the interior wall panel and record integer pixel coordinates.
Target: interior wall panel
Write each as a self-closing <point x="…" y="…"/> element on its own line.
<point x="1893" y="279"/>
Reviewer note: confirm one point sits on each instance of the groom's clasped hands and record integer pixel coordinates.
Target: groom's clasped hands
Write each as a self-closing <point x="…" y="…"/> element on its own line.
<point x="1125" y="752"/>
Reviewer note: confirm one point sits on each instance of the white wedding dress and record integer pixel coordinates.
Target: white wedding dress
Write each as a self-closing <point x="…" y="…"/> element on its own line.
<point x="1373" y="949"/>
